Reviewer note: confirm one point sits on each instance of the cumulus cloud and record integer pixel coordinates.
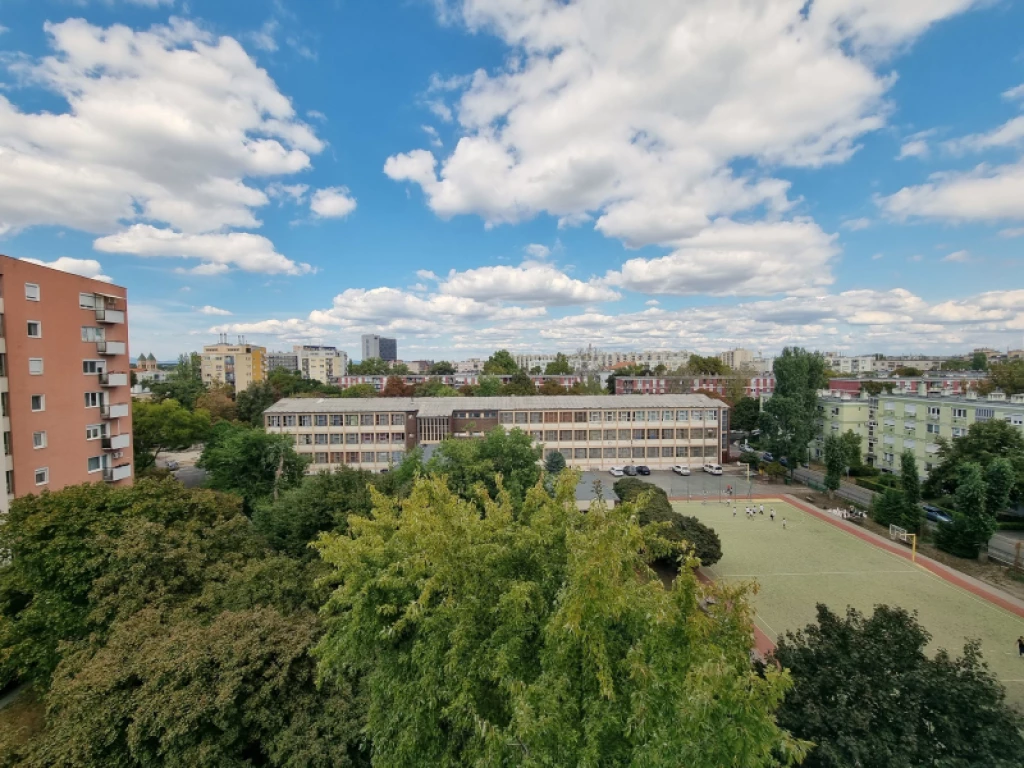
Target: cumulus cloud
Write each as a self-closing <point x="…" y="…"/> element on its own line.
<point x="208" y="310"/>
<point x="248" y="252"/>
<point x="855" y="225"/>
<point x="84" y="267"/>
<point x="960" y="257"/>
<point x="1009" y="134"/>
<point x="913" y="148"/>
<point x="632" y="113"/>
<point x="986" y="193"/>
<point x="332" y="203"/>
<point x="531" y="282"/>
<point x="1014" y="94"/>
<point x="537" y="251"/>
<point x="734" y="259"/>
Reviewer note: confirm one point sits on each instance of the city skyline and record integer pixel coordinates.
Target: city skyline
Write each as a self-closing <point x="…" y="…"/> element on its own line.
<point x="466" y="177"/>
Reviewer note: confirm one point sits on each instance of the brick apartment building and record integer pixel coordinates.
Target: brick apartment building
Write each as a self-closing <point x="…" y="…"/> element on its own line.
<point x="754" y="386"/>
<point x="591" y="432"/>
<point x="64" y="384"/>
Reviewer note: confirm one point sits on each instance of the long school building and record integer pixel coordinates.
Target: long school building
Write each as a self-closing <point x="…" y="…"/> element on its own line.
<point x="591" y="432"/>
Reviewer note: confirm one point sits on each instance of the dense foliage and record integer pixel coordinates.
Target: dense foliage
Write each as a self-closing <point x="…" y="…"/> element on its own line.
<point x="984" y="443"/>
<point x="250" y="462"/>
<point x="973" y="524"/>
<point x="474" y="466"/>
<point x="866" y="693"/>
<point x="501" y="362"/>
<point x="745" y="414"/>
<point x="164" y="426"/>
<point x="788" y="418"/>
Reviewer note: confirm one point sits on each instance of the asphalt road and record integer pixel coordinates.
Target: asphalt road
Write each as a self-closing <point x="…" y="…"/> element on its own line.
<point x="191" y="477"/>
<point x="848" y="491"/>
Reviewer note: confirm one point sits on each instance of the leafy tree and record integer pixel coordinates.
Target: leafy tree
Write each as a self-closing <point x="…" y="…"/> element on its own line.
<point x="359" y="390"/>
<point x="164" y="426"/>
<point x="999" y="481"/>
<point x="865" y="692"/>
<point x="551" y="387"/>
<point x="887" y="507"/>
<point x="554" y="463"/>
<point x="395" y="387"/>
<point x="908" y="371"/>
<point x="184" y="384"/>
<point x="320" y="502"/>
<point x="873" y="388"/>
<point x="542" y="639"/>
<point x="371" y="366"/>
<point x="252" y="463"/>
<point x="251" y="402"/>
<point x="1009" y="376"/>
<point x="851" y="449"/>
<point x="707" y="366"/>
<point x="979" y="362"/>
<point x="660" y="369"/>
<point x="287" y="383"/>
<point x="654" y="508"/>
<point x="520" y="385"/>
<point x="501" y="362"/>
<point x="442" y="368"/>
<point x="474" y="464"/>
<point x="984" y="443"/>
<point x="835" y="462"/>
<point x="536" y="370"/>
<point x="775" y="470"/>
<point x="489" y="386"/>
<point x="219" y="402"/>
<point x="559" y="366"/>
<point x="910" y="485"/>
<point x="956" y="364"/>
<point x="972" y="524"/>
<point x="434" y="388"/>
<point x="590" y="385"/>
<point x="788" y="419"/>
<point x="745" y="413"/>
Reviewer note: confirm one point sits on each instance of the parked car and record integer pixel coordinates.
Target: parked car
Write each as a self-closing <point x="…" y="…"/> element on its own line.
<point x="680" y="469"/>
<point x="616" y="472"/>
<point x="172" y="465"/>
<point x="935" y="514"/>
<point x="767" y="457"/>
<point x="784" y="461"/>
<point x="630" y="470"/>
<point x="714" y="469"/>
<point x="643" y="470"/>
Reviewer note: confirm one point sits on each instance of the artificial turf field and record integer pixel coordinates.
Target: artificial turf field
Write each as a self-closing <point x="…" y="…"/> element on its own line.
<point x="813" y="561"/>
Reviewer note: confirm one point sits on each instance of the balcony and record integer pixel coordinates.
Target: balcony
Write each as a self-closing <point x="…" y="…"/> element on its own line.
<point x="120" y="472"/>
<point x="113" y="379"/>
<point x="110" y="316"/>
<point x="116" y="442"/>
<point x="115" y="411"/>
<point x="111" y="347"/>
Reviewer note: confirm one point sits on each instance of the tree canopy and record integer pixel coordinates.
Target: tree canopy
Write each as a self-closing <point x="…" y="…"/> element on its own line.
<point x="164" y="426"/>
<point x="866" y="693"/>
<point x="984" y="442"/>
<point x="1009" y="376"/>
<point x="251" y="462"/>
<point x="184" y="384"/>
<point x="560" y="365"/>
<point x="472" y="465"/>
<point x="442" y="368"/>
<point x="788" y="418"/>
<point x="501" y="362"/>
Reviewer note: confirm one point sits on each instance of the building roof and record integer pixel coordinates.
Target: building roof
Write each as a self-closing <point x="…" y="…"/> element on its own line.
<point x="443" y="406"/>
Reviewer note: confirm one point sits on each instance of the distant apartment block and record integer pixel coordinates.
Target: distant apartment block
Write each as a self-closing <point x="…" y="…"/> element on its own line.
<point x="754" y="386"/>
<point x="737" y="358"/>
<point x="64" y="383"/>
<point x="473" y="365"/>
<point x="380" y="347"/>
<point x="238" y="365"/>
<point x="454" y="380"/>
<point x="324" y="364"/>
<point x="936" y="384"/>
<point x="419" y="367"/>
<point x="850" y="365"/>
<point x="289" y="361"/>
<point x="590" y="432"/>
<point x="891" y="424"/>
<point x="591" y="359"/>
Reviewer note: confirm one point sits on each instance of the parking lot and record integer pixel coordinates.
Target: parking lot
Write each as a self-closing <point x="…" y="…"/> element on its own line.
<point x="694" y="486"/>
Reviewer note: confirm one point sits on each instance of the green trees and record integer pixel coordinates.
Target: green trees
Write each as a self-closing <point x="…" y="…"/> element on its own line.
<point x="706" y="366"/>
<point x="251" y="463"/>
<point x="539" y="638"/>
<point x="745" y="413"/>
<point x="372" y="366"/>
<point x="554" y="463"/>
<point x="471" y="465"/>
<point x="865" y="693"/>
<point x="489" y="386"/>
<point x="787" y="421"/>
<point x="984" y="443"/>
<point x="560" y="365"/>
<point x="520" y="385"/>
<point x="359" y="390"/>
<point x="973" y="524"/>
<point x="979" y="362"/>
<point x="1008" y="377"/>
<point x="835" y="461"/>
<point x="851" y="449"/>
<point x="501" y="362"/>
<point x="162" y="426"/>
<point x="910" y="485"/>
<point x="184" y="384"/>
<point x="442" y="368"/>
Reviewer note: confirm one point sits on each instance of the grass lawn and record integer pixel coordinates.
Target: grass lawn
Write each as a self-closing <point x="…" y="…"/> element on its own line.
<point x="813" y="562"/>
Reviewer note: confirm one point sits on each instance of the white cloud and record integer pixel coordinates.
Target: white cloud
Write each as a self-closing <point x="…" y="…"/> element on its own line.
<point x="652" y="303"/>
<point x="251" y="253"/>
<point x="263" y="38"/>
<point x="537" y="251"/>
<point x="632" y="112"/>
<point x="425" y="274"/>
<point x="1013" y="232"/>
<point x="531" y="282"/>
<point x="208" y="310"/>
<point x="986" y="193"/>
<point x="293" y="192"/>
<point x="729" y="258"/>
<point x="917" y="257"/>
<point x="1009" y="134"/>
<point x="435" y="139"/>
<point x="332" y="203"/>
<point x="960" y="257"/>
<point x="855" y="225"/>
<point x="1014" y="94"/>
<point x="913" y="148"/>
<point x="877" y="256"/>
<point x="84" y="267"/>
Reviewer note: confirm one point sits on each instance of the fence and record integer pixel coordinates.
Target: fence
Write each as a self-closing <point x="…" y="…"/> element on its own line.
<point x="1006" y="551"/>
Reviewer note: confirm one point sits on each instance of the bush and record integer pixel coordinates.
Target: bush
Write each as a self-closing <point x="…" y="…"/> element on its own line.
<point x="1011" y="525"/>
<point x="863" y="470"/>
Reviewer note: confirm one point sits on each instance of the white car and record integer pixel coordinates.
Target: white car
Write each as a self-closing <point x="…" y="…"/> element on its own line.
<point x="679" y="469"/>
<point x="616" y="472"/>
<point x="713" y="469"/>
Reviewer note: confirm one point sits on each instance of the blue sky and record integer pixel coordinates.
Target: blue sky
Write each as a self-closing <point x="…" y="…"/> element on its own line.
<point x="530" y="174"/>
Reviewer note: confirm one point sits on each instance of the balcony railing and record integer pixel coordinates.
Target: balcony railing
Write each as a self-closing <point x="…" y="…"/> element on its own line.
<point x="115" y="410"/>
<point x="111" y="347"/>
<point x="116" y="442"/>
<point x="113" y="379"/>
<point x="110" y="315"/>
<point x="120" y="472"/>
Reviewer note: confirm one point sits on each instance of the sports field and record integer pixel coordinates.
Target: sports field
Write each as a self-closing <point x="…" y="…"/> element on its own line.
<point x="813" y="561"/>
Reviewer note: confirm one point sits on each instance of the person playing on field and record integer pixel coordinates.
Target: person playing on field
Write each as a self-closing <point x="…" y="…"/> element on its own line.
<point x="783" y="523"/>
<point x="771" y="514"/>
<point x="1020" y="645"/>
<point x="762" y="509"/>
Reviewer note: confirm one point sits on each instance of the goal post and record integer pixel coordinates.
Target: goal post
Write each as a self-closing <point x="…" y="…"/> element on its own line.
<point x="896" y="533"/>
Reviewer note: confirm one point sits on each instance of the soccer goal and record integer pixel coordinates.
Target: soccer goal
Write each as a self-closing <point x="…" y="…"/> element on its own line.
<point x="900" y="534"/>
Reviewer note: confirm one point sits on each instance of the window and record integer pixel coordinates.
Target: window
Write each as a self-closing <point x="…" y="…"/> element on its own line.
<point x="38" y="439"/>
<point x="397" y="419"/>
<point x="351" y="420"/>
<point x="32" y="292"/>
<point x="38" y="402"/>
<point x="90" y="333"/>
<point x="959" y="413"/>
<point x="682" y="415"/>
<point x="320" y="420"/>
<point x="87" y="300"/>
<point x="94" y="463"/>
<point x="933" y="429"/>
<point x="35" y="329"/>
<point x="505" y="417"/>
<point x="94" y="366"/>
<point x="93" y="399"/>
<point x="305" y="421"/>
<point x="94" y="432"/>
<point x="289" y="421"/>
<point x="35" y="366"/>
<point x="43" y="474"/>
<point x="320" y="439"/>
<point x="933" y="411"/>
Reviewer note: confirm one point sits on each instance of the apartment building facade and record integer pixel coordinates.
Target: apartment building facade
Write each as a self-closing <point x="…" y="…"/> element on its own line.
<point x="937" y="384"/>
<point x="754" y="386"/>
<point x="737" y="358"/>
<point x="379" y="347"/>
<point x="454" y="380"/>
<point x="591" y="359"/>
<point x="64" y="380"/>
<point x="591" y="432"/>
<point x="890" y="424"/>
<point x="321" y="363"/>
<point x="238" y="365"/>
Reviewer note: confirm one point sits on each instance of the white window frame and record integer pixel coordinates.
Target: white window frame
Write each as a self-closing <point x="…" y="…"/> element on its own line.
<point x="30" y="289"/>
<point x="82" y="304"/>
<point x="99" y="467"/>
<point x="46" y="476"/>
<point x="98" y="429"/>
<point x="92" y="333"/>
<point x="35" y="366"/>
<point x="41" y="443"/>
<point x="42" y="404"/>
<point x="100" y="365"/>
<point x="97" y="396"/>
<point x="39" y="329"/>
